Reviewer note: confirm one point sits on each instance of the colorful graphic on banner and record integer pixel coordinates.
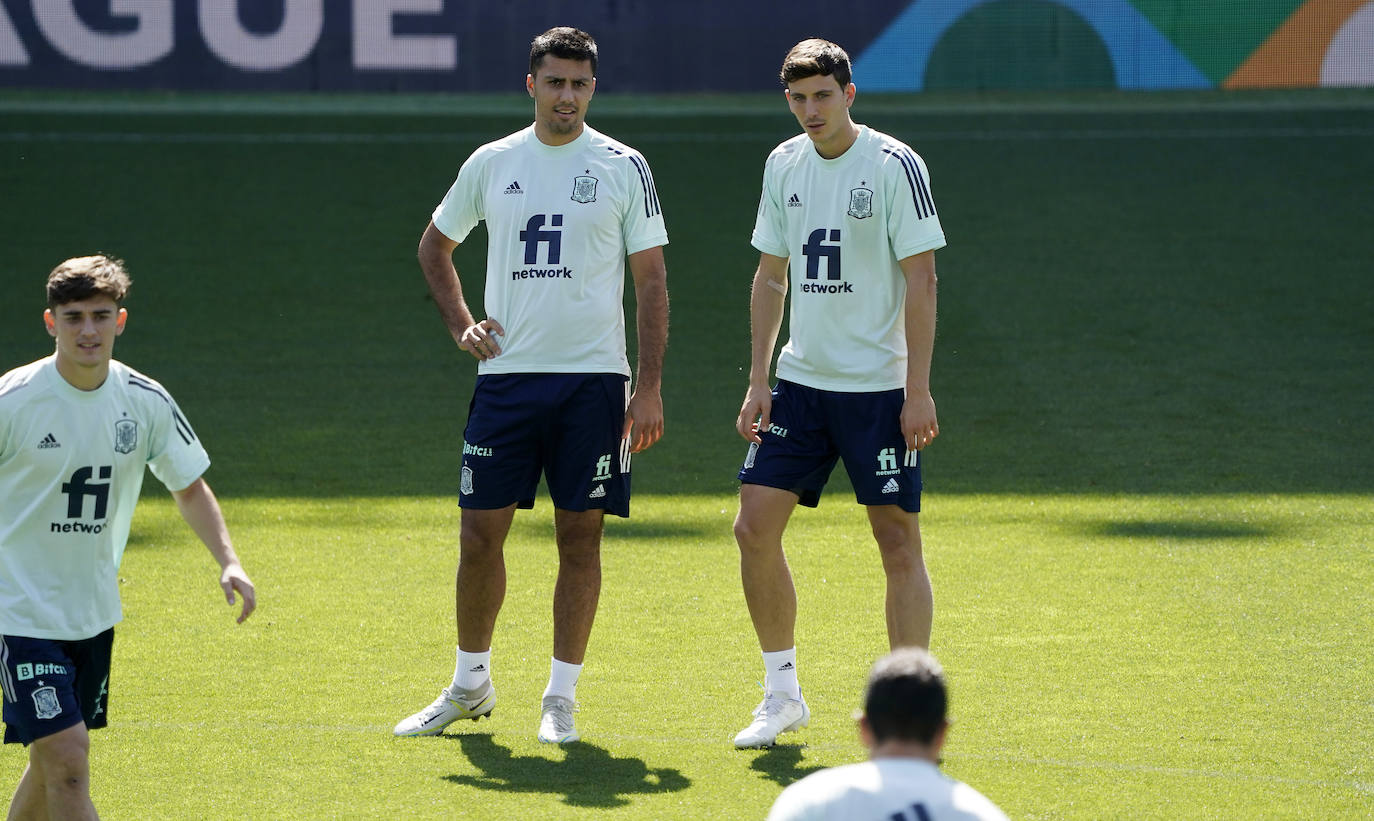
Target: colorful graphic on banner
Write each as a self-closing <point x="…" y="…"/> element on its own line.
<point x="1145" y="44"/>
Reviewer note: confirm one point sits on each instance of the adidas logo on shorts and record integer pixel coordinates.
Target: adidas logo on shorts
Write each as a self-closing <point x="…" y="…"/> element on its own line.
<point x="891" y="486"/>
<point x="599" y="493"/>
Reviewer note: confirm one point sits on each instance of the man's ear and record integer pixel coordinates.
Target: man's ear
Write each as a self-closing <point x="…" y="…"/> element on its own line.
<point x="938" y="742"/>
<point x="122" y="318"/>
<point x="529" y="84"/>
<point x="50" y="322"/>
<point x="866" y="732"/>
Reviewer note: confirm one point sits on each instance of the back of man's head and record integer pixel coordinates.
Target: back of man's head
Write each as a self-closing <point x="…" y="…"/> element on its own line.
<point x="82" y="278"/>
<point x="906" y="698"/>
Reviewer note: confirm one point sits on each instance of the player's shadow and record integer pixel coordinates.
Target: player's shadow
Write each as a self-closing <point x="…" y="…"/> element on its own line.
<point x="782" y="763"/>
<point x="588" y="776"/>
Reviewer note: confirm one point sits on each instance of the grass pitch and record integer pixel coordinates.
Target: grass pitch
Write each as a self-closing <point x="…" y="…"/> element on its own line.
<point x="1148" y="516"/>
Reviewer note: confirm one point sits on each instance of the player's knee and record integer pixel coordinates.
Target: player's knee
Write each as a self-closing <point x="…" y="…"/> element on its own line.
<point x="63" y="760"/>
<point x="479" y="545"/>
<point x="752" y="538"/>
<point x="899" y="545"/>
<point x="580" y="554"/>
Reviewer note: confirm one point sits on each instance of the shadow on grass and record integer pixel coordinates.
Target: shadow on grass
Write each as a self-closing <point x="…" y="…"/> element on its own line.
<point x="588" y="776"/>
<point x="781" y="763"/>
<point x="1181" y="529"/>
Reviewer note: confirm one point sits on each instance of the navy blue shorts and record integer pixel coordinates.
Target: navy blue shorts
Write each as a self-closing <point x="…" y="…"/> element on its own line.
<point x="811" y="429"/>
<point x="51" y="685"/>
<point x="569" y="426"/>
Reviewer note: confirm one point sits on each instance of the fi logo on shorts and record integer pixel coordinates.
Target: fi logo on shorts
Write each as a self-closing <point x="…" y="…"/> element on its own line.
<point x="603" y="468"/>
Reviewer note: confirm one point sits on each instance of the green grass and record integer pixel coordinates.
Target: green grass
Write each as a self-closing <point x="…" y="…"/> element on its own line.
<point x="1148" y="517"/>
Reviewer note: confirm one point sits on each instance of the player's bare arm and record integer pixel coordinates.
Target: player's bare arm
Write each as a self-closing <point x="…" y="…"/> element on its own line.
<point x="644" y="418"/>
<point x="201" y="511"/>
<point x="436" y="261"/>
<point x="919" y="424"/>
<point x="767" y="300"/>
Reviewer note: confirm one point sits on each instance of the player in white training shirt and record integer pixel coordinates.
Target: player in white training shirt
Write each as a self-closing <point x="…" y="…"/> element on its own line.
<point x="565" y="206"/>
<point x="903" y="726"/>
<point x="849" y="212"/>
<point x="76" y="430"/>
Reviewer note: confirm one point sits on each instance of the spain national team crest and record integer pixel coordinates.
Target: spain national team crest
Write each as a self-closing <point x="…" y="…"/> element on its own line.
<point x="45" y="703"/>
<point x="126" y="436"/>
<point x="860" y="203"/>
<point x="584" y="189"/>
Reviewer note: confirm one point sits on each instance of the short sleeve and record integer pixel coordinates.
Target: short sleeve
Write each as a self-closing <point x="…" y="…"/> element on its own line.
<point x="175" y="454"/>
<point x="642" y="224"/>
<point x="464" y="205"/>
<point x="770" y="230"/>
<point x="913" y="226"/>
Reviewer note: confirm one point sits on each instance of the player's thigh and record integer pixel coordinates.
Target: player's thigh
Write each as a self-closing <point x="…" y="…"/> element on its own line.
<point x="63" y="755"/>
<point x="896" y="531"/>
<point x="797" y="453"/>
<point x="868" y="432"/>
<point x="482" y="532"/>
<point x="587" y="463"/>
<point x="763" y="515"/>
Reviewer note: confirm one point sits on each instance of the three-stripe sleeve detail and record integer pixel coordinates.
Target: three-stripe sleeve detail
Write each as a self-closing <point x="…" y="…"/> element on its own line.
<point x="646" y="180"/>
<point x="182" y="426"/>
<point x="920" y="192"/>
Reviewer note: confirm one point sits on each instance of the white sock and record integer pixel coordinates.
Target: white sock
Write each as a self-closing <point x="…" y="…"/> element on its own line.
<point x="780" y="673"/>
<point x="472" y="670"/>
<point x="563" y="679"/>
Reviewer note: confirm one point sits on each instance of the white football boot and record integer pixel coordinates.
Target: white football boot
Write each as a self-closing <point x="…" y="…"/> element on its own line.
<point x="775" y="715"/>
<point x="451" y="705"/>
<point x="556" y="722"/>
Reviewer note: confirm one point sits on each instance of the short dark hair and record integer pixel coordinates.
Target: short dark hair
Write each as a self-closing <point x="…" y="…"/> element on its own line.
<point x="82" y="278"/>
<point x="906" y="697"/>
<point x="565" y="42"/>
<point x="815" y="57"/>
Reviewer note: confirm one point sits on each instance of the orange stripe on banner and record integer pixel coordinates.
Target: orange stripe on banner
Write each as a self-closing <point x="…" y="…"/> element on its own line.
<point x="1293" y="54"/>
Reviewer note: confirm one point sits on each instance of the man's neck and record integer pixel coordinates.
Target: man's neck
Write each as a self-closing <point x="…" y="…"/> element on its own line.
<point x="81" y="378"/>
<point x="554" y="140"/>
<point x="896" y="748"/>
<point x="842" y="143"/>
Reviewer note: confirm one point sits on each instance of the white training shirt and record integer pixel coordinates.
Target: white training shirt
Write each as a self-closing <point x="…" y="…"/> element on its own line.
<point x="888" y="789"/>
<point x="71" y="466"/>
<point x="844" y="224"/>
<point x="560" y="222"/>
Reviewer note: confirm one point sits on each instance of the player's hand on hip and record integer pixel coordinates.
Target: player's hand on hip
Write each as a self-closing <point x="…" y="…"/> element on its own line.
<point x="480" y="339"/>
<point x="643" y="421"/>
<point x="919" y="425"/>
<point x="232" y="580"/>
<point x="754" y="413"/>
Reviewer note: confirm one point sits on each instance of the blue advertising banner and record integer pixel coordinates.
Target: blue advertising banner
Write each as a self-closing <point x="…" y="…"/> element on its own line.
<point x="674" y="46"/>
<point x="408" y="45"/>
